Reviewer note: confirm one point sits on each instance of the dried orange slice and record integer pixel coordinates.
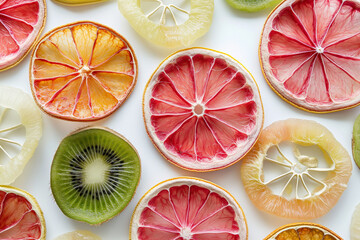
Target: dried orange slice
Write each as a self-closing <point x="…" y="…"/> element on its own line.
<point x="297" y="169"/>
<point x="169" y="23"/>
<point x="202" y="109"/>
<point x="188" y="208"/>
<point x="21" y="23"/>
<point x="20" y="215"/>
<point x="309" y="54"/>
<point x="303" y="231"/>
<point x="82" y="71"/>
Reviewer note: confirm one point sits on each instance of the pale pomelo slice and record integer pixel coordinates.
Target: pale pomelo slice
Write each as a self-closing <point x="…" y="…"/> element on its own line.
<point x="82" y="71"/>
<point x="303" y="231"/>
<point x="188" y="208"/>
<point x="21" y="23"/>
<point x="309" y="53"/>
<point x="20" y="132"/>
<point x="202" y="109"/>
<point x="355" y="224"/>
<point x="20" y="216"/>
<point x="169" y="23"/>
<point x="304" y="182"/>
<point x="78" y="235"/>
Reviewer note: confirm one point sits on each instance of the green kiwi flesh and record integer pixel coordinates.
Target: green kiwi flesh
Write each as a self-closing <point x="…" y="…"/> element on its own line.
<point x="356" y="141"/>
<point x="94" y="174"/>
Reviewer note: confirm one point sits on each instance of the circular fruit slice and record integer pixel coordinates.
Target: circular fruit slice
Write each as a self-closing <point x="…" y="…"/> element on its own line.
<point x="355" y="224"/>
<point x="297" y="169"/>
<point x="188" y="208"/>
<point x="297" y="231"/>
<point x="82" y="71"/>
<point x="20" y="132"/>
<point x="169" y="23"/>
<point x="20" y="215"/>
<point x="79" y="235"/>
<point x="202" y="109"/>
<point x="356" y="141"/>
<point x="94" y="174"/>
<point x="21" y="23"/>
<point x="309" y="56"/>
<point x="253" y="5"/>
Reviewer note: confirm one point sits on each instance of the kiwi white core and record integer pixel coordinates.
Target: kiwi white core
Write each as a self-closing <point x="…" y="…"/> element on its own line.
<point x="96" y="171"/>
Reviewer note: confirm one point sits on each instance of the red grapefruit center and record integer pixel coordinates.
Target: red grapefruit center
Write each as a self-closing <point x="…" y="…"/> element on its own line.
<point x="188" y="209"/>
<point x="202" y="109"/>
<point x="310" y="56"/>
<point x="20" y="24"/>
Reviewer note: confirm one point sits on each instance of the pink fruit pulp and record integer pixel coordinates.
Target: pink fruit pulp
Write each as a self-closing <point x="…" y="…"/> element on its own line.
<point x="204" y="110"/>
<point x="188" y="212"/>
<point x="17" y="218"/>
<point x="310" y="53"/>
<point x="20" y="23"/>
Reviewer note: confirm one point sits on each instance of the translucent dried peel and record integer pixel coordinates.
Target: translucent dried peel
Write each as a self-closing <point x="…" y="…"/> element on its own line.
<point x="82" y="71"/>
<point x="78" y="2"/>
<point x="252" y="5"/>
<point x="20" y="132"/>
<point x="21" y="23"/>
<point x="308" y="186"/>
<point x="188" y="208"/>
<point x="161" y="24"/>
<point x="94" y="174"/>
<point x="299" y="231"/>
<point x="309" y="55"/>
<point x="356" y="141"/>
<point x="20" y="216"/>
<point x="78" y="235"/>
<point x="202" y="109"/>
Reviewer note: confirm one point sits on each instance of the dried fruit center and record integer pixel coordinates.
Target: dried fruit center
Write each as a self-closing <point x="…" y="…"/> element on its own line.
<point x="186" y="233"/>
<point x="319" y="49"/>
<point x="198" y="109"/>
<point x="84" y="71"/>
<point x="96" y="172"/>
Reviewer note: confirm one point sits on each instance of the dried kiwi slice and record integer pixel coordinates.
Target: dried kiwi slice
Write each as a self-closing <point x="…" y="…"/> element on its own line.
<point x="94" y="174"/>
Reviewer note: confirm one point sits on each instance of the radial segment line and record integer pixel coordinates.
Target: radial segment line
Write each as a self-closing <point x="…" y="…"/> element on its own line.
<point x="11" y="33"/>
<point x="342" y="69"/>
<point x="78" y="94"/>
<point x="93" y="47"/>
<point x="277" y="178"/>
<point x="10" y="141"/>
<point x="16" y="19"/>
<point x="293" y="39"/>
<point x="170" y="103"/>
<point x="207" y="79"/>
<point x="123" y="48"/>
<point x="232" y="106"/>
<point x="222" y="87"/>
<point x="105" y="87"/>
<point x="57" y="63"/>
<point x="159" y="228"/>
<point x="6" y="153"/>
<point x="169" y="114"/>
<point x="76" y="47"/>
<point x="164" y="217"/>
<point x="15" y="5"/>
<point x="291" y="54"/>
<point x="209" y="216"/>
<point x="341" y="40"/>
<point x="56" y="77"/>
<point x="214" y="136"/>
<point x="175" y="88"/>
<point x="302" y="25"/>
<point x="342" y="56"/>
<point x="112" y="72"/>
<point x="173" y="207"/>
<point x="287" y="184"/>
<point x="315" y="22"/>
<point x="195" y="137"/>
<point x="331" y="23"/>
<point x="325" y="77"/>
<point x="62" y="53"/>
<point x="227" y="124"/>
<point x="61" y="89"/>
<point x="301" y="65"/>
<point x="10" y="128"/>
<point x="277" y="162"/>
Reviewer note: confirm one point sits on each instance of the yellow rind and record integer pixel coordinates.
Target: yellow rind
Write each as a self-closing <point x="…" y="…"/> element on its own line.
<point x="34" y="43"/>
<point x="158" y="149"/>
<point x="68" y="2"/>
<point x="193" y="178"/>
<point x="34" y="204"/>
<point x="73" y="118"/>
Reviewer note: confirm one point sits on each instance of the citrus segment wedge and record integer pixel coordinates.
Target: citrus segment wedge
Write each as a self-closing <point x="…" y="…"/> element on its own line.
<point x="20" y="132"/>
<point x="82" y="71"/>
<point x="21" y="23"/>
<point x="202" y="109"/>
<point x="20" y="215"/>
<point x="188" y="208"/>
<point x="169" y="23"/>
<point x="304" y="182"/>
<point x="300" y="231"/>
<point x="308" y="54"/>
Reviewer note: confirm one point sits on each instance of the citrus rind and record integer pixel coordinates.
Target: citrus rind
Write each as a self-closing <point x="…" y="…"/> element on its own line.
<point x="252" y="6"/>
<point x="30" y="118"/>
<point x="78" y="235"/>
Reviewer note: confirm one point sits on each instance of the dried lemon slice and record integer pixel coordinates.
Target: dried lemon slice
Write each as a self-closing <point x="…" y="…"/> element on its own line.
<point x="304" y="182"/>
<point x="20" y="132"/>
<point x="169" y="25"/>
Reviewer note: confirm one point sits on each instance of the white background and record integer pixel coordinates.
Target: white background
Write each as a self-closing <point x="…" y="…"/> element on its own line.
<point x="233" y="32"/>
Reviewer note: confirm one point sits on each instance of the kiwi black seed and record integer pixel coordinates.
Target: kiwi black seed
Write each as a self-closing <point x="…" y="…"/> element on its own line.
<point x="94" y="174"/>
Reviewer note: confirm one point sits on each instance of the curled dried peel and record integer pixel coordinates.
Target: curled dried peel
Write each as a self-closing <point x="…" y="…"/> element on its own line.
<point x="316" y="202"/>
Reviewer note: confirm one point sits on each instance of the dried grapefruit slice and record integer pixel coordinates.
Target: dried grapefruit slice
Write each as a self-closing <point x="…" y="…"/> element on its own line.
<point x="20" y="132"/>
<point x="306" y="181"/>
<point x="202" y="109"/>
<point x="309" y="54"/>
<point x="21" y="23"/>
<point x="20" y="215"/>
<point x="82" y="71"/>
<point x="300" y="231"/>
<point x="169" y="23"/>
<point x="355" y="224"/>
<point x="188" y="208"/>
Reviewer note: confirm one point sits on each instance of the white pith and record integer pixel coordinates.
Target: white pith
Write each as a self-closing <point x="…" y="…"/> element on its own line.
<point x="30" y="117"/>
<point x="27" y="44"/>
<point x="143" y="203"/>
<point x="96" y="171"/>
<point x="278" y="86"/>
<point x="304" y="226"/>
<point x="215" y="162"/>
